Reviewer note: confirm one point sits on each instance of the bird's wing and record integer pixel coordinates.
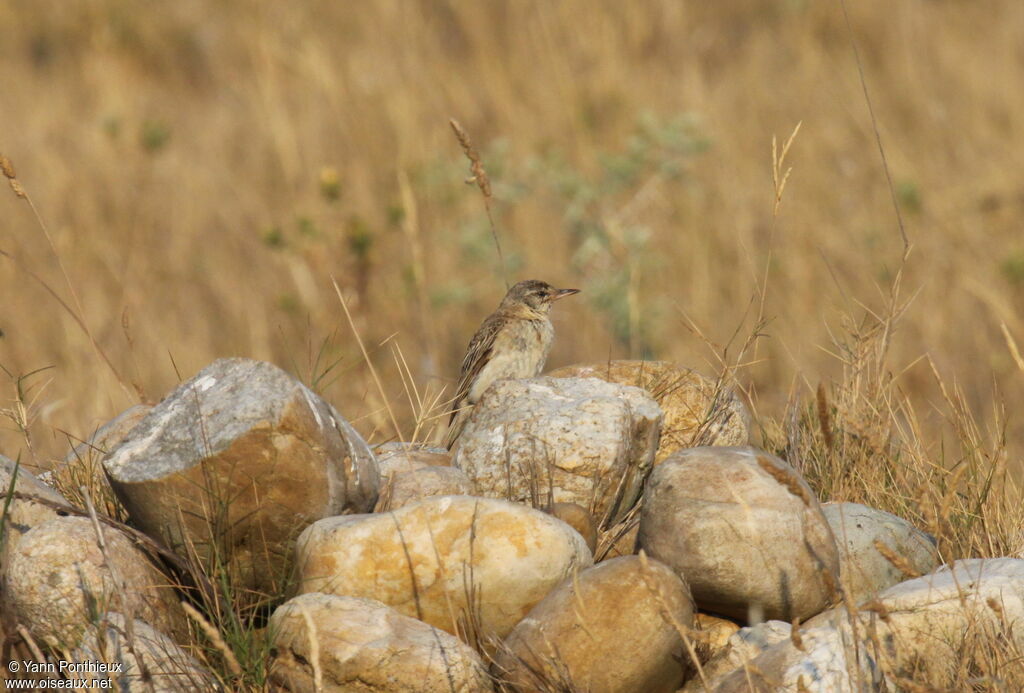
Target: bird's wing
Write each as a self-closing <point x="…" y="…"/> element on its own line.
<point x="477" y="356"/>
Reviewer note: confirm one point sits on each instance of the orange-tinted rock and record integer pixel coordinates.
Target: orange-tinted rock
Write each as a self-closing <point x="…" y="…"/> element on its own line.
<point x="431" y="560"/>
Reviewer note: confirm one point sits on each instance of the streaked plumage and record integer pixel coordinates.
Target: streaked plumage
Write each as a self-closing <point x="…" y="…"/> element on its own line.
<point x="513" y="342"/>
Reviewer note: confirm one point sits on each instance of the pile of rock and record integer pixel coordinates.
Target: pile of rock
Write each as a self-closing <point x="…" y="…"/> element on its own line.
<point x="575" y="539"/>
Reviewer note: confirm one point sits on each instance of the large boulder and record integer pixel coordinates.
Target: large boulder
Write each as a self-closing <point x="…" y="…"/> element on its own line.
<point x="744" y="530"/>
<point x="235" y="463"/>
<point x="698" y="411"/>
<point x="362" y="645"/>
<point x="939" y="606"/>
<point x="59" y="577"/>
<point x="614" y="628"/>
<point x="403" y="488"/>
<point x="448" y="561"/>
<point x="917" y="630"/>
<point x="866" y="571"/>
<point x="562" y="440"/>
<point x="926" y="623"/>
<point x="22" y="513"/>
<point x="140" y="659"/>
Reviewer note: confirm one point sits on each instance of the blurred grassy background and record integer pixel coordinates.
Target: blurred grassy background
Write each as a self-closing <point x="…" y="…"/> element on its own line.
<point x="206" y="167"/>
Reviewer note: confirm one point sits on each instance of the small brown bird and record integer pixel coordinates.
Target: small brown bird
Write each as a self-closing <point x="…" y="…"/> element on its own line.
<point x="513" y="342"/>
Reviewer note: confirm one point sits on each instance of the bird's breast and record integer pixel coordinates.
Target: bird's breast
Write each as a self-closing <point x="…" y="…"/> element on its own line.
<point x="519" y="351"/>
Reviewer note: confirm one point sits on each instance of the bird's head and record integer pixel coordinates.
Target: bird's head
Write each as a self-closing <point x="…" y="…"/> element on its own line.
<point x="536" y="294"/>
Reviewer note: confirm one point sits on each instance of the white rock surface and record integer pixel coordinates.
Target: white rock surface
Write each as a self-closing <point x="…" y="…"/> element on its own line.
<point x="742" y="647"/>
<point x="363" y="645"/>
<point x="563" y="440"/>
<point x="825" y="662"/>
<point x="918" y="625"/>
<point x="426" y="558"/>
<point x="929" y="617"/>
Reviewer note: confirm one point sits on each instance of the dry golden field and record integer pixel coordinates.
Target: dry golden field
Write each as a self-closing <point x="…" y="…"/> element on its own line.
<point x="205" y="168"/>
<point x="200" y="174"/>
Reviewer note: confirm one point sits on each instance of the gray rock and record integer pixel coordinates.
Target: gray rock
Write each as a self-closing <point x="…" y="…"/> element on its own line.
<point x="23" y="514"/>
<point x="243" y="457"/>
<point x="562" y="440"/>
<point x="743" y="529"/>
<point x="363" y="645"/>
<point x="58" y="579"/>
<point x="143" y="660"/>
<point x="865" y="571"/>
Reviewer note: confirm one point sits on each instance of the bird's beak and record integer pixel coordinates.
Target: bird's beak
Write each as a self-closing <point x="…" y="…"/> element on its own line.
<point x="562" y="293"/>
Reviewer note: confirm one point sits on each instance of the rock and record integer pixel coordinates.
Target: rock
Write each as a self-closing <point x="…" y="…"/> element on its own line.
<point x="363" y="645"/>
<point x="715" y="633"/>
<point x="819" y="665"/>
<point x="753" y="640"/>
<point x="508" y="555"/>
<point x="403" y="488"/>
<point x="570" y="440"/>
<point x="925" y="622"/>
<point x="697" y="410"/>
<point x="241" y="457"/>
<point x="23" y="514"/>
<point x="83" y="465"/>
<point x="577" y="517"/>
<point x="741" y="647"/>
<point x="170" y="669"/>
<point x="938" y="606"/>
<point x="728" y="520"/>
<point x="613" y="628"/>
<point x="919" y="627"/>
<point x="408" y="457"/>
<point x="58" y="577"/>
<point x="866" y="572"/>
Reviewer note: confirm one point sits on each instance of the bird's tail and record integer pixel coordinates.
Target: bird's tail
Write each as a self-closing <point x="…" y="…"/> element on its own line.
<point x="456" y="424"/>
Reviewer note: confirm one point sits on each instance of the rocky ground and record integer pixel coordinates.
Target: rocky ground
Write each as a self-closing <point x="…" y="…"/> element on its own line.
<point x="605" y="528"/>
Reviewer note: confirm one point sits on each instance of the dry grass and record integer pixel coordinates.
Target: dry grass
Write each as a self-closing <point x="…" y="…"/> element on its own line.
<point x="201" y="172"/>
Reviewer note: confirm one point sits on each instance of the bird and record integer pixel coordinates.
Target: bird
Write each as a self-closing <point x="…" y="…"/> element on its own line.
<point x="512" y="342"/>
